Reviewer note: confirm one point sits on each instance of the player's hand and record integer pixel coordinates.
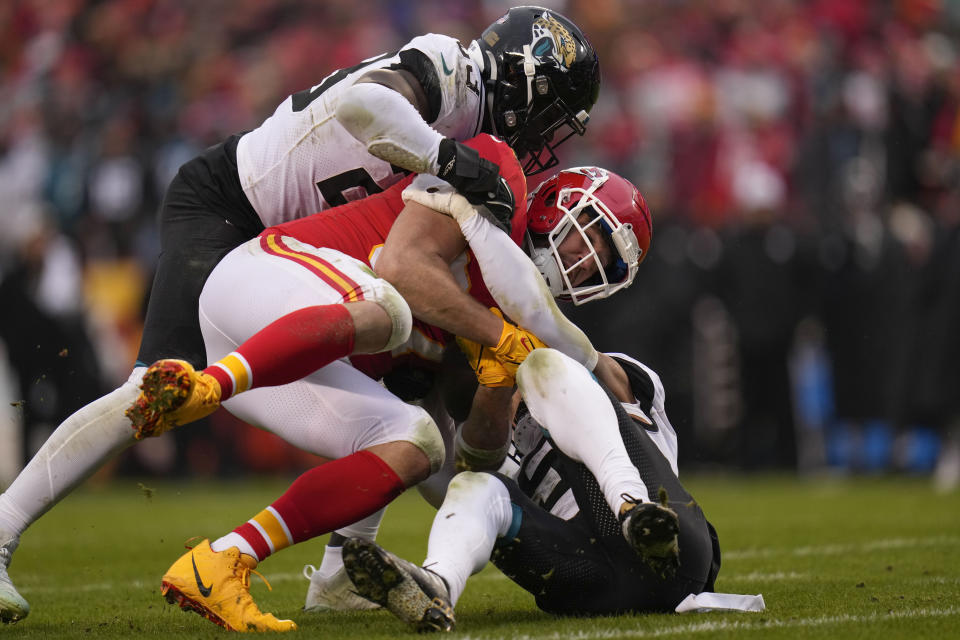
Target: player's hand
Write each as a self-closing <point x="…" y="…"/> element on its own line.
<point x="478" y="180"/>
<point x="497" y="366"/>
<point x="515" y="344"/>
<point x="490" y="371"/>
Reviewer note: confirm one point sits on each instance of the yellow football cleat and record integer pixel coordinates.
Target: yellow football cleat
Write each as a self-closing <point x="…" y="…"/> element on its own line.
<point x="217" y="586"/>
<point x="172" y="394"/>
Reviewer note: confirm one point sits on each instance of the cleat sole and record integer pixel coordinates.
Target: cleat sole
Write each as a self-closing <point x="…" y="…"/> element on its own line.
<point x="379" y="580"/>
<point x="177" y="597"/>
<point x="652" y="532"/>
<point x="438" y="617"/>
<point x="164" y="388"/>
<point x="11" y="617"/>
<point x="372" y="576"/>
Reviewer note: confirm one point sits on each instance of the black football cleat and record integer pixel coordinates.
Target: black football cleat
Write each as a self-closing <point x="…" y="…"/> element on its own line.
<point x="416" y="595"/>
<point x="651" y="529"/>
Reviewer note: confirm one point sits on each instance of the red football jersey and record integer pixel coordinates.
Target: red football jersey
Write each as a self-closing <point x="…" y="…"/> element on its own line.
<point x="359" y="229"/>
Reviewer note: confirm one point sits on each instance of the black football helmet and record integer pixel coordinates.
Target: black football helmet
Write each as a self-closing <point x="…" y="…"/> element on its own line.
<point x="542" y="78"/>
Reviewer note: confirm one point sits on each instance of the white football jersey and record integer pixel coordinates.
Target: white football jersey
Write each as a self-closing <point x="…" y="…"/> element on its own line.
<point x="301" y="160"/>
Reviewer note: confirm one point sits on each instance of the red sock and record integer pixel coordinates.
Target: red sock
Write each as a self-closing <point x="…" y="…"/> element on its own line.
<point x="287" y="349"/>
<point x="325" y="498"/>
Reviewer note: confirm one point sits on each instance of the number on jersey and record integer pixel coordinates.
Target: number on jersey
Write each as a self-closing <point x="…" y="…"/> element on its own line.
<point x="355" y="184"/>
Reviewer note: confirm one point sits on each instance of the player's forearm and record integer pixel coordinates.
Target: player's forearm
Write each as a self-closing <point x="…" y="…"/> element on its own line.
<point x="389" y="126"/>
<point x="610" y="373"/>
<point x="520" y="291"/>
<point x="416" y="259"/>
<point x="377" y="111"/>
<point x="434" y="297"/>
<point x="485" y="436"/>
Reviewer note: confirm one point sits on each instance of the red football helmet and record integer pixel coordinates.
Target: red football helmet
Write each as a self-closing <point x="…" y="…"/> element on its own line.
<point x="555" y="209"/>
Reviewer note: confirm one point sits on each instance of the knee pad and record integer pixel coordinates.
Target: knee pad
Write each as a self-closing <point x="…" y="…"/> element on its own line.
<point x="480" y="486"/>
<point x="399" y="311"/>
<point x="425" y="435"/>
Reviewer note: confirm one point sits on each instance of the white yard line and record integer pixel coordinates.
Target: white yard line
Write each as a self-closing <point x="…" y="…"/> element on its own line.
<point x="838" y="549"/>
<point x="763" y="576"/>
<point x="763" y="552"/>
<point x="136" y="584"/>
<point x="749" y="623"/>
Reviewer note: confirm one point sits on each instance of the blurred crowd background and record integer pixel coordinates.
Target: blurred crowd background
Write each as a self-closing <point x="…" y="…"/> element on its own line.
<point x="801" y="299"/>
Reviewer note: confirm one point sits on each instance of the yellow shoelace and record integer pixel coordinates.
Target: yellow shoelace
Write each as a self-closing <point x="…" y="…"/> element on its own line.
<point x="245" y="572"/>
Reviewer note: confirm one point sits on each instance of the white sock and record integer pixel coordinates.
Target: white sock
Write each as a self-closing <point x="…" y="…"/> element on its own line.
<point x="566" y="400"/>
<point x="331" y="563"/>
<point x="333" y="556"/>
<point x="73" y="452"/>
<point x="234" y="540"/>
<point x="475" y="512"/>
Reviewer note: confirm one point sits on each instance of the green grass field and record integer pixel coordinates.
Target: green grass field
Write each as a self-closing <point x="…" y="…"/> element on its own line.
<point x="863" y="558"/>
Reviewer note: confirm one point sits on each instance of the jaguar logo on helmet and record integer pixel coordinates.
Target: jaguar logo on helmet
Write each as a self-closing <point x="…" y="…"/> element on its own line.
<point x="550" y="37"/>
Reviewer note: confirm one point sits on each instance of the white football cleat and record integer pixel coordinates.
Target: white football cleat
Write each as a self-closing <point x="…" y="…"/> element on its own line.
<point x="333" y="593"/>
<point x="12" y="605"/>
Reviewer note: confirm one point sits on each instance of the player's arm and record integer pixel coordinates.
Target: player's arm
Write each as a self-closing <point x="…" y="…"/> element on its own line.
<point x="484" y="438"/>
<point x="484" y="413"/>
<point x="610" y="373"/>
<point x="509" y="274"/>
<point x="386" y="110"/>
<point x="415" y="259"/>
<point x="405" y="84"/>
<point x="519" y="289"/>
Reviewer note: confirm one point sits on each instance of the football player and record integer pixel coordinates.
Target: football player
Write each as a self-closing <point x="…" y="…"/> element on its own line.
<point x="587" y="514"/>
<point x="555" y="218"/>
<point x="282" y="311"/>
<point x="531" y="78"/>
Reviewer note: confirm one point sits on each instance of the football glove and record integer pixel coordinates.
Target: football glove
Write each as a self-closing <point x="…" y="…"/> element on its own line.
<point x="490" y="372"/>
<point x="478" y="180"/>
<point x="515" y="344"/>
<point x="497" y="366"/>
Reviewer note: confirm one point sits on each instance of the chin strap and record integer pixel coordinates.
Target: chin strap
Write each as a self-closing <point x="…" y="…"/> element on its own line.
<point x="529" y="70"/>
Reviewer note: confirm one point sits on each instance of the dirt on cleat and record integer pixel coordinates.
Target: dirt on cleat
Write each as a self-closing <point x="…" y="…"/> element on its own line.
<point x="412" y="593"/>
<point x="173" y="596"/>
<point x="165" y="388"/>
<point x="652" y="529"/>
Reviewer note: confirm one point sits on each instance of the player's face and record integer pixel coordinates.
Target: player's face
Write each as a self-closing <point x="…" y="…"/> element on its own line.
<point x="573" y="249"/>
